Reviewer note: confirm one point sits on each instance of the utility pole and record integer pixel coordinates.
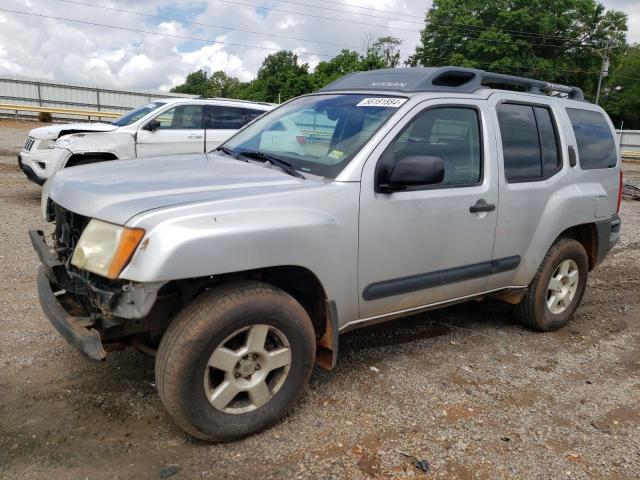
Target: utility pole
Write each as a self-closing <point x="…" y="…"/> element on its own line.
<point x="604" y="69"/>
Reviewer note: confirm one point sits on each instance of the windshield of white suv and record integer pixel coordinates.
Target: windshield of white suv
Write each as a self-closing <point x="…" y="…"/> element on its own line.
<point x="136" y="114"/>
<point x="318" y="134"/>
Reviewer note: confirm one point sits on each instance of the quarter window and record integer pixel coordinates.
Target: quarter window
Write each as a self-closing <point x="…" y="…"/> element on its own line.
<point x="529" y="142"/>
<point x="182" y="117"/>
<point x="225" y="118"/>
<point x="451" y="133"/>
<point x="596" y="147"/>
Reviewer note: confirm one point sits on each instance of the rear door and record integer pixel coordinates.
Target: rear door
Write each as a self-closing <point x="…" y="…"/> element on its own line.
<point x="533" y="174"/>
<point x="429" y="244"/>
<point x="221" y="122"/>
<point x="181" y="131"/>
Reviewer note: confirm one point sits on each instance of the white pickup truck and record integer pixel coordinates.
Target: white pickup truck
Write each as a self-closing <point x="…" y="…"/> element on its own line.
<point x="163" y="127"/>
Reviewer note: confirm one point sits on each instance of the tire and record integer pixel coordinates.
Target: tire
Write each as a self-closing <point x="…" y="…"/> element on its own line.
<point x="226" y="321"/>
<point x="541" y="309"/>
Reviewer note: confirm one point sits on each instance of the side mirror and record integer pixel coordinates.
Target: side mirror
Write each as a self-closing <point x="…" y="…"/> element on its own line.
<point x="152" y="126"/>
<point x="414" y="171"/>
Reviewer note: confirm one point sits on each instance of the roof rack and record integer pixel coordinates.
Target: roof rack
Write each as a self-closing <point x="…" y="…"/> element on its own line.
<point x="204" y="97"/>
<point x="443" y="79"/>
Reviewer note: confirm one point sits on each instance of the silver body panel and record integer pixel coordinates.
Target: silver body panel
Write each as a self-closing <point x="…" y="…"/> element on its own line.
<point x="214" y="215"/>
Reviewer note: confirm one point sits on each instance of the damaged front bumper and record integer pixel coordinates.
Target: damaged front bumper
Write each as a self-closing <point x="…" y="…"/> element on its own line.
<point x="77" y="331"/>
<point x="60" y="293"/>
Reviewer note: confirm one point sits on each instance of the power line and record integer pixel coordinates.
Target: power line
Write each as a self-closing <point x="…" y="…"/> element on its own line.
<point x="161" y="17"/>
<point x="149" y="32"/>
<point x="374" y="9"/>
<point x="469" y="28"/>
<point x="340" y="10"/>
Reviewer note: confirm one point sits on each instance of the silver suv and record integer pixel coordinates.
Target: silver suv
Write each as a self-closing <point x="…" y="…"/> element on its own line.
<point x="384" y="194"/>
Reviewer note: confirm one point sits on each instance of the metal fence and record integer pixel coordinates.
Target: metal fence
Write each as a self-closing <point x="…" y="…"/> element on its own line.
<point x="44" y="93"/>
<point x="629" y="141"/>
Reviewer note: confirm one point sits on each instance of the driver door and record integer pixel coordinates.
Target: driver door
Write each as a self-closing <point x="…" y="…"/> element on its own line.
<point x="426" y="244"/>
<point x="181" y="131"/>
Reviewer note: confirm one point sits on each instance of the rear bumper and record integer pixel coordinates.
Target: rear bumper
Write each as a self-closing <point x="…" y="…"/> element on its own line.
<point x="608" y="236"/>
<point x="52" y="277"/>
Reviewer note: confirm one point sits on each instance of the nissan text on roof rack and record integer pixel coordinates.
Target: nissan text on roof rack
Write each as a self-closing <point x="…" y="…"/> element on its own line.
<point x="163" y="127"/>
<point x="413" y="189"/>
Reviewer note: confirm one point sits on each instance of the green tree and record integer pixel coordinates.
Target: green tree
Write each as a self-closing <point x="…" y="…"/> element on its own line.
<point x="347" y="61"/>
<point x="279" y="78"/>
<point x="386" y="50"/>
<point x="555" y="40"/>
<point x="621" y="97"/>
<point x="218" y="84"/>
<point x="195" y="84"/>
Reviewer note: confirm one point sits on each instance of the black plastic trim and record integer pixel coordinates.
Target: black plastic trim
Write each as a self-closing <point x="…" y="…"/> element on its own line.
<point x="396" y="286"/>
<point x="608" y="235"/>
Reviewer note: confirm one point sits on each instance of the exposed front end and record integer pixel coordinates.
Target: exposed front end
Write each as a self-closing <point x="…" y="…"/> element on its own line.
<point x="91" y="311"/>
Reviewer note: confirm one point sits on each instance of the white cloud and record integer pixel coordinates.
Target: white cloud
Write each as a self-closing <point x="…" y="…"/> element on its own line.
<point x="67" y="51"/>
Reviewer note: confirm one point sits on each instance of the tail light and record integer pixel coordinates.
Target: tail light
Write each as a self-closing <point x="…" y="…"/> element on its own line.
<point x="301" y="140"/>
<point x="620" y="189"/>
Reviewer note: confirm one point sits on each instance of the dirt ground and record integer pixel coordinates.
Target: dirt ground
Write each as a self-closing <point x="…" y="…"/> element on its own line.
<point x="465" y="389"/>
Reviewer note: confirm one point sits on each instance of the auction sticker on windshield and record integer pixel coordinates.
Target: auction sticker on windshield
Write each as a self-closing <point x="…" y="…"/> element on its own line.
<point x="381" y="102"/>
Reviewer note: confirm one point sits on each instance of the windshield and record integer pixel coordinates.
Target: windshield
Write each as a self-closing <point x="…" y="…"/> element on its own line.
<point x="318" y="134"/>
<point x="137" y="113"/>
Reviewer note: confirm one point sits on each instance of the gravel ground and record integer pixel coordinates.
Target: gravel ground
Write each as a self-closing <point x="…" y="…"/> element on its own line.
<point x="466" y="389"/>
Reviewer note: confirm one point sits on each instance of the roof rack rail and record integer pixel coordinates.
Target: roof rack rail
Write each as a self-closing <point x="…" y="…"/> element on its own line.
<point x="443" y="79"/>
<point x="204" y="97"/>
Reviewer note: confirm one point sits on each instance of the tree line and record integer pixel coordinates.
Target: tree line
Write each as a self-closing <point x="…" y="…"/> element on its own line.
<point x="557" y="41"/>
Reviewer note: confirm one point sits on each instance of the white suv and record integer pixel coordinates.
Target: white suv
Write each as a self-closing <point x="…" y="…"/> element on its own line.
<point x="163" y="127"/>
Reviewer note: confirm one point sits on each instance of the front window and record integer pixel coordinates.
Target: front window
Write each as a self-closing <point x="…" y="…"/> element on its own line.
<point x="317" y="134"/>
<point x="182" y="117"/>
<point x="136" y="114"/>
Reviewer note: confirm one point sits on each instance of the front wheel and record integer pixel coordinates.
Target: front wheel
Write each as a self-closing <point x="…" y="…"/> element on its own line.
<point x="235" y="360"/>
<point x="555" y="292"/>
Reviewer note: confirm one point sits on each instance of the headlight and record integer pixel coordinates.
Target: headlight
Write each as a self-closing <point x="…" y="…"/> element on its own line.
<point x="65" y="140"/>
<point x="45" y="144"/>
<point x="105" y="248"/>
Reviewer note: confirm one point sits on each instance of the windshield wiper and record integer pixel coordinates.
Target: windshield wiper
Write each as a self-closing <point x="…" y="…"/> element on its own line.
<point x="265" y="157"/>
<point x="228" y="151"/>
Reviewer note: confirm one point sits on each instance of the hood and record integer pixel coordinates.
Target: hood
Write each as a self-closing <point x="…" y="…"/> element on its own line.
<point x="52" y="132"/>
<point x="117" y="191"/>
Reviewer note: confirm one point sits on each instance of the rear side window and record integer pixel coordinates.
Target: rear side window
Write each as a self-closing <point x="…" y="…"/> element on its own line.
<point x="225" y="118"/>
<point x="529" y="142"/>
<point x="252" y="114"/>
<point x="596" y="147"/>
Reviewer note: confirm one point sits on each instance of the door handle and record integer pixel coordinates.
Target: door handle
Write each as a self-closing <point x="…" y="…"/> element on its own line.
<point x="482" y="206"/>
<point x="193" y="135"/>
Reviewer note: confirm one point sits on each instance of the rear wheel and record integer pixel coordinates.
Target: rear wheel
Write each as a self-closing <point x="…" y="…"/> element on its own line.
<point x="235" y="360"/>
<point x="555" y="292"/>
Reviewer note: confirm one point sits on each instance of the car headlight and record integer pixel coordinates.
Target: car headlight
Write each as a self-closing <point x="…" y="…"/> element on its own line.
<point x="105" y="249"/>
<point x="65" y="140"/>
<point x="45" y="144"/>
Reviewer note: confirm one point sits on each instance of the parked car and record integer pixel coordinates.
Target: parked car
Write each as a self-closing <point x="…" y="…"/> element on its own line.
<point x="162" y="127"/>
<point x="244" y="269"/>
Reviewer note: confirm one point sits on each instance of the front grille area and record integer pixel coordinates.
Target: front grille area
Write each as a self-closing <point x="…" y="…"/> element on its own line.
<point x="69" y="227"/>
<point x="29" y="143"/>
